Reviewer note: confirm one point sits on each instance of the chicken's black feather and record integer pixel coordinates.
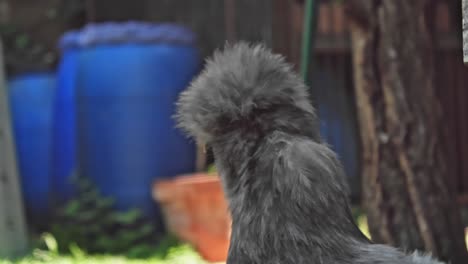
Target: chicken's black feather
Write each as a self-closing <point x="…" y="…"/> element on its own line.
<point x="286" y="189"/>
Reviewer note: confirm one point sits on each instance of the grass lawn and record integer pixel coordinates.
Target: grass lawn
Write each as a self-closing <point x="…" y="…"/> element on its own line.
<point x="174" y="254"/>
<point x="179" y="255"/>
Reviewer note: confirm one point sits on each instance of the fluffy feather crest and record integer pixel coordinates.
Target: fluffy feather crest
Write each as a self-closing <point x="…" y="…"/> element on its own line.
<point x="237" y="86"/>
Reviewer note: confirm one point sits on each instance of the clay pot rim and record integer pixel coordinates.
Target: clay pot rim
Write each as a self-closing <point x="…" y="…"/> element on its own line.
<point x="185" y="179"/>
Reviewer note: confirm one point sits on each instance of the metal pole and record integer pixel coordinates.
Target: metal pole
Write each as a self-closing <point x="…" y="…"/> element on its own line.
<point x="308" y="38"/>
<point x="13" y="235"/>
<point x="465" y="30"/>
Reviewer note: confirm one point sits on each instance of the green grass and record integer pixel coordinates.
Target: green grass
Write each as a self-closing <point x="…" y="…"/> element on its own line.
<point x="180" y="255"/>
<point x="165" y="254"/>
<point x="89" y="230"/>
<point x="174" y="254"/>
<point x="169" y="251"/>
<point x="362" y="223"/>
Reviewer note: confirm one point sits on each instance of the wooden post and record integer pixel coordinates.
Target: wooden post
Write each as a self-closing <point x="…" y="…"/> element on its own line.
<point x="90" y="11"/>
<point x="13" y="236"/>
<point x="4" y="11"/>
<point x="200" y="164"/>
<point x="465" y="30"/>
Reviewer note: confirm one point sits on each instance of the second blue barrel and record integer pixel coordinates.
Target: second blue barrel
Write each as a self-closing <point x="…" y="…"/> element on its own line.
<point x="31" y="96"/>
<point x="129" y="76"/>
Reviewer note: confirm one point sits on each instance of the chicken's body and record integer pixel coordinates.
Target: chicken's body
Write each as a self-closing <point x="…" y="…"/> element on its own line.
<point x="286" y="189"/>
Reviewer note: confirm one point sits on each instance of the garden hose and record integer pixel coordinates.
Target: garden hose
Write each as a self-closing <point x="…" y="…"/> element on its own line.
<point x="308" y="38"/>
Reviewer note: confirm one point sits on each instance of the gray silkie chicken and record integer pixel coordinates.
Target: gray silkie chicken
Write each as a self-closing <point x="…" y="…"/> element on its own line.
<point x="286" y="189"/>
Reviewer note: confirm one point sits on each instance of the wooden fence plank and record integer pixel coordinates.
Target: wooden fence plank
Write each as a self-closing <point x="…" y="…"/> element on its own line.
<point x="13" y="237"/>
<point x="205" y="17"/>
<point x="251" y="26"/>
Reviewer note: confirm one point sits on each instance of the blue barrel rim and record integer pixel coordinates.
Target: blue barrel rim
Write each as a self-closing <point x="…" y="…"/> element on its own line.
<point x="95" y="34"/>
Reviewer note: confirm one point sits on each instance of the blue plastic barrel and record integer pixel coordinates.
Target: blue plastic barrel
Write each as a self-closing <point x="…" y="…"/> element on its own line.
<point x="128" y="80"/>
<point x="64" y="127"/>
<point x="31" y="96"/>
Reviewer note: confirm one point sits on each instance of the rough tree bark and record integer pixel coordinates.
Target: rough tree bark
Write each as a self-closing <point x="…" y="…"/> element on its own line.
<point x="407" y="199"/>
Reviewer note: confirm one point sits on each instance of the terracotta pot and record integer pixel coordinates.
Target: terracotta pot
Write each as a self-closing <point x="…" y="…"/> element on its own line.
<point x="196" y="211"/>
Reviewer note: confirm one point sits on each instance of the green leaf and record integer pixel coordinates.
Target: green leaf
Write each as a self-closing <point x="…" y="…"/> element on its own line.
<point x="87" y="216"/>
<point x="90" y="196"/>
<point x="141" y="251"/>
<point x="50" y="242"/>
<point x="22" y="41"/>
<point x="83" y="184"/>
<point x="76" y="251"/>
<point x="105" y="243"/>
<point x="147" y="229"/>
<point x="72" y="208"/>
<point x="212" y="169"/>
<point x="104" y="203"/>
<point x="127" y="218"/>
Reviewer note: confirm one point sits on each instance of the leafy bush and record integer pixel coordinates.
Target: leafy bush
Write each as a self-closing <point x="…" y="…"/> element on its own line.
<point x="90" y="223"/>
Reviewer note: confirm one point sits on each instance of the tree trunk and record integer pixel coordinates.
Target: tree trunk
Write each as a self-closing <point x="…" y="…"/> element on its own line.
<point x="405" y="193"/>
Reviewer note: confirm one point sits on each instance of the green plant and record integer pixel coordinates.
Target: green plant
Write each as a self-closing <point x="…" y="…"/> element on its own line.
<point x="22" y="53"/>
<point x="90" y="223"/>
<point x="27" y="50"/>
<point x="211" y="169"/>
<point x="360" y="218"/>
<point x="174" y="254"/>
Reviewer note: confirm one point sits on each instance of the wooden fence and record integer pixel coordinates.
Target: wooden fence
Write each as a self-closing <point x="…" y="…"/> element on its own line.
<point x="278" y="23"/>
<point x="333" y="55"/>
